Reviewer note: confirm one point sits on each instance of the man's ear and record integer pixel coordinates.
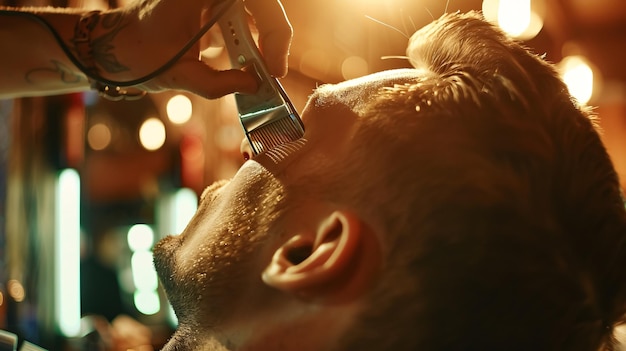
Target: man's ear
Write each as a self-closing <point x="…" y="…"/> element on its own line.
<point x="331" y="260"/>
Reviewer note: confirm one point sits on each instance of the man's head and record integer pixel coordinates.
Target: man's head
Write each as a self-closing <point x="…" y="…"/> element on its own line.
<point x="464" y="204"/>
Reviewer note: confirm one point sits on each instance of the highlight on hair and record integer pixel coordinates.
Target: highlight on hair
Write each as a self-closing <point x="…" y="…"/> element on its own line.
<point x="503" y="214"/>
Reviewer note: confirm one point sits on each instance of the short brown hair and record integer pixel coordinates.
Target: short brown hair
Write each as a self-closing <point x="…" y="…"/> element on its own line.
<point x="503" y="213"/>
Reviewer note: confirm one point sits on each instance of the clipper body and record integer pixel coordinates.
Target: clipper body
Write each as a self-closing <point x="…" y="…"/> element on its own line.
<point x="268" y="117"/>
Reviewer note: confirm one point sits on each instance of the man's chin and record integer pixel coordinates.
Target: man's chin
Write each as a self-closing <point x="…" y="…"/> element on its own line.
<point x="165" y="259"/>
<point x="180" y="341"/>
<point x="191" y="339"/>
<point x="165" y="266"/>
<point x="182" y="290"/>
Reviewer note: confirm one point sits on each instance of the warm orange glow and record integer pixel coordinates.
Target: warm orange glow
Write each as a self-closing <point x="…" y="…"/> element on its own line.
<point x="518" y="18"/>
<point x="315" y="63"/>
<point x="514" y="16"/>
<point x="578" y="76"/>
<point x="354" y="67"/>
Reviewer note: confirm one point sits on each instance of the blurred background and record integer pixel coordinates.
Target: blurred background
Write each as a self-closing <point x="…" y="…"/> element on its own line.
<point x="87" y="185"/>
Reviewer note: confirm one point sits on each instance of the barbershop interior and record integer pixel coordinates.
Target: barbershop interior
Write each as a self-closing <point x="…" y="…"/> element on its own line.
<point x="89" y="185"/>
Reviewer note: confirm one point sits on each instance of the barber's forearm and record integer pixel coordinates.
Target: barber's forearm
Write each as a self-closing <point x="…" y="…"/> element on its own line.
<point x="33" y="63"/>
<point x="148" y="45"/>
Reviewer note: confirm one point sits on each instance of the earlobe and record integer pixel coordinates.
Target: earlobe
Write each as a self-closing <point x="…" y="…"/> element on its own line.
<point x="318" y="262"/>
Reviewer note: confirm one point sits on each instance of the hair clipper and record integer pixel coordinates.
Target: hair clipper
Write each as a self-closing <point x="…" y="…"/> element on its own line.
<point x="268" y="117"/>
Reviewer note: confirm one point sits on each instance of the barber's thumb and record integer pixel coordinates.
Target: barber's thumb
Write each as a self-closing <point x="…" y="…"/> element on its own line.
<point x="213" y="84"/>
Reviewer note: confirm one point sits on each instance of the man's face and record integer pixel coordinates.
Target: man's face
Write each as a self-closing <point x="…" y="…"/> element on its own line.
<point x="212" y="271"/>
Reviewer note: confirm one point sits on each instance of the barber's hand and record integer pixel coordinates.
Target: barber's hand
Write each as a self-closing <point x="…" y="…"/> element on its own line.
<point x="165" y="26"/>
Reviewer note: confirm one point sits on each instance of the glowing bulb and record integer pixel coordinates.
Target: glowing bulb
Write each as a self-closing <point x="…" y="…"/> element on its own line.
<point x="140" y="237"/>
<point x="152" y="134"/>
<point x="179" y="109"/>
<point x="578" y="76"/>
<point x="514" y="16"/>
<point x="490" y="10"/>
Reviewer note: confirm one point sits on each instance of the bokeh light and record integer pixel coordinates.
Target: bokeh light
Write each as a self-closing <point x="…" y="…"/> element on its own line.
<point x="185" y="206"/>
<point x="99" y="136"/>
<point x="520" y="19"/>
<point x="354" y="67"/>
<point x="514" y="16"/>
<point x="152" y="134"/>
<point x="179" y="109"/>
<point x="67" y="251"/>
<point x="140" y="237"/>
<point x="144" y="275"/>
<point x="16" y="290"/>
<point x="578" y="76"/>
<point x="147" y="302"/>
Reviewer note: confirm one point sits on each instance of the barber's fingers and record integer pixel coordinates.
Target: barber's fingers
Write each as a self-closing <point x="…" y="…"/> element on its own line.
<point x="213" y="84"/>
<point x="275" y="33"/>
<point x="200" y="79"/>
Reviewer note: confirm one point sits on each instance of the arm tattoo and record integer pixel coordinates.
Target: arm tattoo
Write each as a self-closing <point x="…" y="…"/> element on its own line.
<point x="58" y="70"/>
<point x="102" y="46"/>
